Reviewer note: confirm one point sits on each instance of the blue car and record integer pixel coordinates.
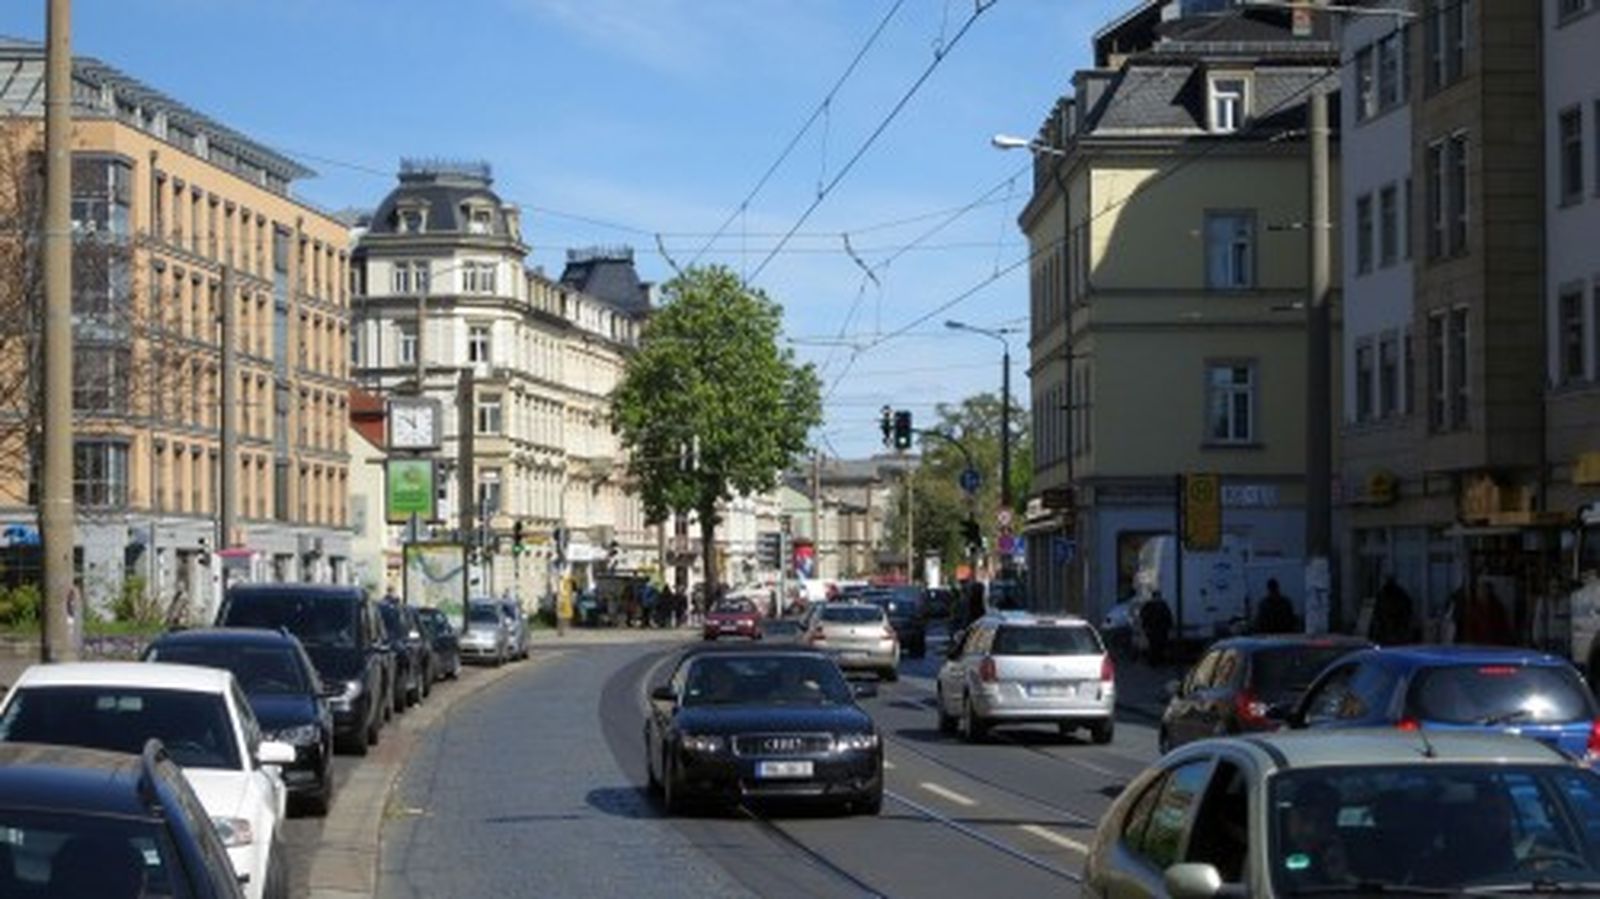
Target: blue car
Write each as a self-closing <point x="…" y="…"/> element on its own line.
<point x="1468" y="688"/>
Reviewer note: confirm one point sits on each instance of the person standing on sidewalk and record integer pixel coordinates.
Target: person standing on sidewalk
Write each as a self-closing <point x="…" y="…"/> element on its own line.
<point x="1276" y="615"/>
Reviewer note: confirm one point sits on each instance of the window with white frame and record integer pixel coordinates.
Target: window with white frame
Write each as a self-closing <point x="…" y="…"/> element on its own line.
<point x="477" y="277"/>
<point x="1230" y="402"/>
<point x="1364" y="233"/>
<point x="400" y="277"/>
<point x="1388" y="375"/>
<point x="1566" y="9"/>
<point x="1569" y="150"/>
<point x="1388" y="226"/>
<point x="409" y="221"/>
<point x="1366" y="85"/>
<point x="1230" y="250"/>
<point x="100" y="474"/>
<point x="1364" y="381"/>
<point x="1392" y="86"/>
<point x="1456" y="368"/>
<point x="408" y="344"/>
<point x="1227" y="104"/>
<point x="478" y="344"/>
<point x="1445" y="27"/>
<point x="488" y="492"/>
<point x="1438" y="397"/>
<point x="1408" y="374"/>
<point x="1446" y="162"/>
<point x="1569" y="321"/>
<point x="479" y="219"/>
<point x="490" y="414"/>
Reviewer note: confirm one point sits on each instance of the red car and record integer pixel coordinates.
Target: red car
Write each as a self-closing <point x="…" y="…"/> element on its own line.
<point x="733" y="618"/>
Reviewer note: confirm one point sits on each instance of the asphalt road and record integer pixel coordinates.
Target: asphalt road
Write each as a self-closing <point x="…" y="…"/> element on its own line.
<point x="535" y="787"/>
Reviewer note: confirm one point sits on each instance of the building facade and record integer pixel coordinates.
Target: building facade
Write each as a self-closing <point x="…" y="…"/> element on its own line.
<point x="1168" y="335"/>
<point x="1572" y="254"/>
<point x="441" y="291"/>
<point x="165" y="200"/>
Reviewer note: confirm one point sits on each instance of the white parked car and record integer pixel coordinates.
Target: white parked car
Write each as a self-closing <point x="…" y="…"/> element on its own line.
<point x="202" y="718"/>
<point x="1022" y="668"/>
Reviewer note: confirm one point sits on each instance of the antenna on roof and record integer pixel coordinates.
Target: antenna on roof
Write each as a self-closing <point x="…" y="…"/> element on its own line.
<point x="1428" y="752"/>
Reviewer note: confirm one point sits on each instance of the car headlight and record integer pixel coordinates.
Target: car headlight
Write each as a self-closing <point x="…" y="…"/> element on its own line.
<point x="706" y="743"/>
<point x="854" y="742"/>
<point x="300" y="735"/>
<point x="234" y="832"/>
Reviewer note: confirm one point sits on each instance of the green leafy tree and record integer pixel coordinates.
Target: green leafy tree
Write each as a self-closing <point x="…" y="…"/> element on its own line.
<point x="941" y="505"/>
<point x="710" y="374"/>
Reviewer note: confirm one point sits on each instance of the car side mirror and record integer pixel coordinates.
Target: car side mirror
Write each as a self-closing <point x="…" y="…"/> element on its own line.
<point x="663" y="693"/>
<point x="1173" y="689"/>
<point x="1192" y="880"/>
<point x="272" y="752"/>
<point x="865" y="690"/>
<point x="1295" y="718"/>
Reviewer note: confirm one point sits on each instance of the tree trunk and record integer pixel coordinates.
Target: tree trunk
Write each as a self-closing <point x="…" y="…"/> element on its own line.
<point x="708" y="550"/>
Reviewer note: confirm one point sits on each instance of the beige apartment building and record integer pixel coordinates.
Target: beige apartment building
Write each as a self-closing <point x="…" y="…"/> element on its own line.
<point x="1169" y="269"/>
<point x="164" y="200"/>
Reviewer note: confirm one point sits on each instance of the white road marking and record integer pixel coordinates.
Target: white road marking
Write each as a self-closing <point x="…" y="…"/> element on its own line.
<point x="947" y="793"/>
<point x="1048" y="835"/>
<point x="1098" y="769"/>
<point x="888" y="765"/>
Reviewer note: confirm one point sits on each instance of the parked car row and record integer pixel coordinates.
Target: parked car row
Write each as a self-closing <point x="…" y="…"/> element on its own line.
<point x="250" y="711"/>
<point x="497" y="632"/>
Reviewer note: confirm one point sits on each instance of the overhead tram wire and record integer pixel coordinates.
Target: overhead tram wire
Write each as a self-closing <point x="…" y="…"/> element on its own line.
<point x="943" y="53"/>
<point x="822" y="106"/>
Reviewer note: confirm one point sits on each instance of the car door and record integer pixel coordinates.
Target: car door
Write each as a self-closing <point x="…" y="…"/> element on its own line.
<point x="1154" y="834"/>
<point x="1331" y="700"/>
<point x="952" y="674"/>
<point x="659" y="724"/>
<point x="1216" y="705"/>
<point x="1185" y="725"/>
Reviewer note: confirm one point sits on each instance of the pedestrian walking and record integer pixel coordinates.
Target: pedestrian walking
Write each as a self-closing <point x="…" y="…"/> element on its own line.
<point x="1485" y="622"/>
<point x="1392" y="621"/>
<point x="1156" y="620"/>
<point x="1276" y="614"/>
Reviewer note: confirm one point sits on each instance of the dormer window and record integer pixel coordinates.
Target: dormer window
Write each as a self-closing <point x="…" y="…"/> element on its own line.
<point x="410" y="221"/>
<point x="1227" y="104"/>
<point x="479" y="220"/>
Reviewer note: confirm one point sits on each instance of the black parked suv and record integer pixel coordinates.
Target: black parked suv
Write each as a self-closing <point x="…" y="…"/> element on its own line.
<point x="413" y="670"/>
<point x="85" y="822"/>
<point x="345" y="637"/>
<point x="284" y="691"/>
<point x="441" y="634"/>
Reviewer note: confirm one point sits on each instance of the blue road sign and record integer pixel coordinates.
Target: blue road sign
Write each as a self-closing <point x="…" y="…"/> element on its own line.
<point x="971" y="480"/>
<point x="1062" y="549"/>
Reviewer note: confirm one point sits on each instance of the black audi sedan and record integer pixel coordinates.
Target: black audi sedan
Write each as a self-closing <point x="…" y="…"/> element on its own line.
<point x="741" y="723"/>
<point x="283" y="690"/>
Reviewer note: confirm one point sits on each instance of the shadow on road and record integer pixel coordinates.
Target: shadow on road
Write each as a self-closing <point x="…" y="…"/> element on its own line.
<point x="622" y="802"/>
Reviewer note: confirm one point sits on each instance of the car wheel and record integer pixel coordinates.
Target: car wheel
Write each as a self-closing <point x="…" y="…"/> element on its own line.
<point x="651" y="779"/>
<point x="455" y="668"/>
<point x="276" y="884"/>
<point x="947" y="721"/>
<point x="890" y="674"/>
<point x="672" y="799"/>
<point x="869" y="805"/>
<point x="374" y="734"/>
<point x="316" y="804"/>
<point x="1102" y="731"/>
<point x="973" y="728"/>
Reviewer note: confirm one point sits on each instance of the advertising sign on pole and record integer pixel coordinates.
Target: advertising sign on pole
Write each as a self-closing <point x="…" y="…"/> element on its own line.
<point x="409" y="490"/>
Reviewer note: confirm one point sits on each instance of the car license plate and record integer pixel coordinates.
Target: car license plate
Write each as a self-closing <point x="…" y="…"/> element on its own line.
<point x="1050" y="690"/>
<point x="776" y="770"/>
<point x="853" y="654"/>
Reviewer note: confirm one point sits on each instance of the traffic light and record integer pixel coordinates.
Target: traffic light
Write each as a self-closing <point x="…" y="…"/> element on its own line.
<point x="516" y="537"/>
<point x="887" y="425"/>
<point x="902" y="430"/>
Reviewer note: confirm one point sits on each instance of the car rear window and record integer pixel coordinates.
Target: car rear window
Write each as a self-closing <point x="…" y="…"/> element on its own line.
<point x="1045" y="640"/>
<point x="1499" y="694"/>
<point x="195" y="727"/>
<point x="330" y="622"/>
<point x="1288" y="670"/>
<point x="852" y="614"/>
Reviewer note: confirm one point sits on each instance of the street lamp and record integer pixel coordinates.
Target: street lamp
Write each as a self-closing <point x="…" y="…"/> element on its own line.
<point x="1005" y="401"/>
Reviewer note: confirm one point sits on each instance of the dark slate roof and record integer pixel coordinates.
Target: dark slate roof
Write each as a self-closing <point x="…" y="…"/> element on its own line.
<point x="608" y="275"/>
<point x="444" y="187"/>
<point x="1169" y="97"/>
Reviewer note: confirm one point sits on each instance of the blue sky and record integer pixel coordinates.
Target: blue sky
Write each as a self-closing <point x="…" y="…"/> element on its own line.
<point x="614" y="121"/>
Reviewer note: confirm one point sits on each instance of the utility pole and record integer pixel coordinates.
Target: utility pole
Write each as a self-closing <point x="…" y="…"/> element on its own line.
<point x="64" y="610"/>
<point x="911" y="528"/>
<point x="466" y="484"/>
<point x="1319" y="377"/>
<point x="228" y="485"/>
<point x="1005" y="426"/>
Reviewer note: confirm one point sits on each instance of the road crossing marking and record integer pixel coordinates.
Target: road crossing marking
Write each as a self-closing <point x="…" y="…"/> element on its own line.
<point x="1045" y="833"/>
<point x="947" y="793"/>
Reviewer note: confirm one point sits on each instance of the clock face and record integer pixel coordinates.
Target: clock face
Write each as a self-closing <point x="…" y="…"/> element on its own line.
<point x="412" y="426"/>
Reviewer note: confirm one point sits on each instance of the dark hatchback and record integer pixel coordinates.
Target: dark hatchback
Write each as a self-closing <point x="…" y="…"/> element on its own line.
<point x="907" y="615"/>
<point x="1246" y="684"/>
<point x="108" y="825"/>
<point x="413" y="657"/>
<point x="1471" y="688"/>
<point x="284" y="692"/>
<point x="737" y="724"/>
<point x="342" y="633"/>
<point x="443" y="640"/>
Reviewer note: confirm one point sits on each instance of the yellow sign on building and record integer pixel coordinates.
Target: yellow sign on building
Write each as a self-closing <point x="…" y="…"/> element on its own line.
<point x="1202" y="511"/>
<point x="1586" y="472"/>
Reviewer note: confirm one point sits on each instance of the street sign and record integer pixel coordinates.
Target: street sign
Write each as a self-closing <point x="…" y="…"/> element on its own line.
<point x="1202" y="511"/>
<point x="1003" y="518"/>
<point x="1063" y="549"/>
<point x="408" y="490"/>
<point x="1008" y="543"/>
<point x="971" y="480"/>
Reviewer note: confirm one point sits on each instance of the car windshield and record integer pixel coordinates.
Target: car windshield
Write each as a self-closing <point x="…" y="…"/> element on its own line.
<point x="258" y="669"/>
<point x="316" y="623"/>
<point x="852" y="615"/>
<point x="484" y="615"/>
<point x="195" y="727"/>
<point x="1285" y="671"/>
<point x="1045" y="640"/>
<point x="734" y="607"/>
<point x="765" y="680"/>
<point x="1499" y="694"/>
<point x="51" y="853"/>
<point x="1358" y="829"/>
